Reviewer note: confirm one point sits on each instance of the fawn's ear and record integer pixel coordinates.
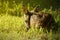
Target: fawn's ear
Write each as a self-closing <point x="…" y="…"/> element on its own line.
<point x="36" y="9"/>
<point x="24" y="9"/>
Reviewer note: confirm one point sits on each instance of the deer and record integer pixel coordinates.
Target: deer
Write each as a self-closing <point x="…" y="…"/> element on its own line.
<point x="37" y="18"/>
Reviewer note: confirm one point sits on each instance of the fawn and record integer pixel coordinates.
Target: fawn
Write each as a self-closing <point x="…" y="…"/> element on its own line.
<point x="36" y="18"/>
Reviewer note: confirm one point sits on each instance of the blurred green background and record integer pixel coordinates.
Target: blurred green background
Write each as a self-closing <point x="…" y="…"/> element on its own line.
<point x="12" y="21"/>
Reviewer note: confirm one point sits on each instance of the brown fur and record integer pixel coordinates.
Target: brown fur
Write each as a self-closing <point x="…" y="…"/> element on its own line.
<point x="45" y="20"/>
<point x="37" y="19"/>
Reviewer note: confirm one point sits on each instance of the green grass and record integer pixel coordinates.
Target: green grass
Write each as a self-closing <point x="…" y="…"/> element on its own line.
<point x="13" y="28"/>
<point x="12" y="24"/>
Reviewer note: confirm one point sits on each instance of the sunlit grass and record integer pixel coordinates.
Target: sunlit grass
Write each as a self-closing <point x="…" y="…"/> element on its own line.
<point x="13" y="28"/>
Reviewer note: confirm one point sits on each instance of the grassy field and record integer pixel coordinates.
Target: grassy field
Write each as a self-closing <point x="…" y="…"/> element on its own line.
<point x="12" y="24"/>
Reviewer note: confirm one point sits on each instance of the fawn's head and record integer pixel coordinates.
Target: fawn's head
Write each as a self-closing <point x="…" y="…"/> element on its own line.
<point x="26" y="11"/>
